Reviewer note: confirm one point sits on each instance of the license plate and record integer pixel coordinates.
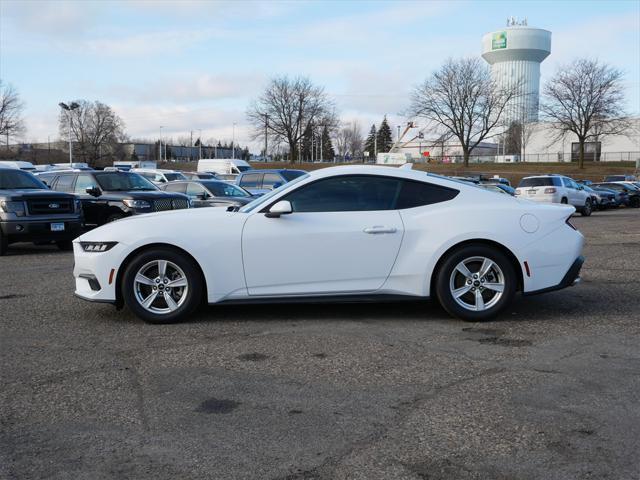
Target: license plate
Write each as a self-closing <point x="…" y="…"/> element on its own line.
<point x="57" y="227"/>
<point x="531" y="192"/>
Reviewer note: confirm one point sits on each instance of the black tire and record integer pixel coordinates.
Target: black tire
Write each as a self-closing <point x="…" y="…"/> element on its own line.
<point x="634" y="202"/>
<point x="193" y="293"/>
<point x="65" y="245"/>
<point x="113" y="217"/>
<point x="586" y="210"/>
<point x="564" y="200"/>
<point x="444" y="275"/>
<point x="4" y="245"/>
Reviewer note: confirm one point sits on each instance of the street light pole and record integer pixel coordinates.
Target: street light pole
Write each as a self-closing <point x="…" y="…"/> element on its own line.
<point x="160" y="146"/>
<point x="69" y="108"/>
<point x="200" y="145"/>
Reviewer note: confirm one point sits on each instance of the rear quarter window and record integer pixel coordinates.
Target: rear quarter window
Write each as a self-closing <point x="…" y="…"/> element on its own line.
<point x="417" y="194"/>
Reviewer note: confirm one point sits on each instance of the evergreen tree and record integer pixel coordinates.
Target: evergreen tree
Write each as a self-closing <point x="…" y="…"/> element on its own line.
<point x="370" y="142"/>
<point x="306" y="143"/>
<point x="328" y="152"/>
<point x="385" y="137"/>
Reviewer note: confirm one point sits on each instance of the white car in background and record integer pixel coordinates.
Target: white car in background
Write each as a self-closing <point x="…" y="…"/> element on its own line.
<point x="556" y="189"/>
<point x="349" y="232"/>
<point x="159" y="176"/>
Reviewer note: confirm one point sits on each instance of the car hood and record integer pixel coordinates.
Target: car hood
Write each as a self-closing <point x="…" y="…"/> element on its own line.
<point x="130" y="229"/>
<point x="29" y="193"/>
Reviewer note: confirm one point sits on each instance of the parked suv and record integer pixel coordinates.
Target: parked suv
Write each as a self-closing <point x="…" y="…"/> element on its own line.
<point x="30" y="212"/>
<point x="630" y="193"/>
<point x="556" y="189"/>
<point x="259" y="182"/>
<point x="109" y="196"/>
<point x="159" y="176"/>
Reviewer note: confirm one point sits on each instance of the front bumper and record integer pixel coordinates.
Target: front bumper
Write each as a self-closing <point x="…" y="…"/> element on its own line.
<point x="571" y="278"/>
<point x="27" y="230"/>
<point x="96" y="273"/>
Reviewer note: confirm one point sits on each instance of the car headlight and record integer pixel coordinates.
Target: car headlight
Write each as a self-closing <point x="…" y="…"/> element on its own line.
<point x="78" y="205"/>
<point x="13" y="207"/>
<point x="137" y="203"/>
<point x="98" y="247"/>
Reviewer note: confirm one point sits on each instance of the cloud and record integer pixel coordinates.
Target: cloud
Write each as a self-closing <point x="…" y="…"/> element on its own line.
<point x="193" y="88"/>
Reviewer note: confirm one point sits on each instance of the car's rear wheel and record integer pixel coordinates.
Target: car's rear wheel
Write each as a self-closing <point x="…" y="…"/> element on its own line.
<point x="476" y="282"/>
<point x="586" y="210"/>
<point x="4" y="244"/>
<point x="162" y="286"/>
<point x="65" y="245"/>
<point x="564" y="200"/>
<point x="634" y="202"/>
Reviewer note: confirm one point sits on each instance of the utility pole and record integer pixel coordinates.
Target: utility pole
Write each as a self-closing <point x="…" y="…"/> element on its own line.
<point x="200" y="145"/>
<point x="191" y="146"/>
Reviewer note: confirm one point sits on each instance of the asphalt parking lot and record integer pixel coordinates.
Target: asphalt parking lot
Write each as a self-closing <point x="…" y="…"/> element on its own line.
<point x="378" y="391"/>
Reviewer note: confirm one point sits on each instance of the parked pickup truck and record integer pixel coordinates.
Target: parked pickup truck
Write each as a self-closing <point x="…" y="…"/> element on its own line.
<point x="30" y="212"/>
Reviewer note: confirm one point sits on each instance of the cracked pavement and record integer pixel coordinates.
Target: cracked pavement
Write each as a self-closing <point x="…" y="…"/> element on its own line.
<point x="372" y="391"/>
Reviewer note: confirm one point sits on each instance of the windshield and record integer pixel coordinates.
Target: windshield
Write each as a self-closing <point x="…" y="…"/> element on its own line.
<point x="243" y="168"/>
<point x="123" y="182"/>
<point x="222" y="189"/>
<point x="291" y="174"/>
<point x="174" y="176"/>
<point x="265" y="198"/>
<point x="19" y="180"/>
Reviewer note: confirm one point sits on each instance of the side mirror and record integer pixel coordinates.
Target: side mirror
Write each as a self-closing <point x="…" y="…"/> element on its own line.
<point x="93" y="191"/>
<point x="202" y="196"/>
<point x="276" y="185"/>
<point x="283" y="207"/>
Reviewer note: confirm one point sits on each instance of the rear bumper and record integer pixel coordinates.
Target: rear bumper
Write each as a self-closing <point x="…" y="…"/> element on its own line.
<point x="40" y="230"/>
<point x="572" y="277"/>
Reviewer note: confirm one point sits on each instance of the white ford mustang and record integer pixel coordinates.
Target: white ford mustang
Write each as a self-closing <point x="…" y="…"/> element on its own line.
<point x="349" y="232"/>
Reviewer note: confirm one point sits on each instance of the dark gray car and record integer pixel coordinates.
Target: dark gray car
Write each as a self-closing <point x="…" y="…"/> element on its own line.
<point x="211" y="193"/>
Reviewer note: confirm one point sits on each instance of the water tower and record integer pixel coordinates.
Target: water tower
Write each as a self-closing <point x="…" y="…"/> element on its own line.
<point x="515" y="54"/>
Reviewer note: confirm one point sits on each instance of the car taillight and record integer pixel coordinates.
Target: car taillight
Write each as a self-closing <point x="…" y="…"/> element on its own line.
<point x="550" y="190"/>
<point x="570" y="224"/>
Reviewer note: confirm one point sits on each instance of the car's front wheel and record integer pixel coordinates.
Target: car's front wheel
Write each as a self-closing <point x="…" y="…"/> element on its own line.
<point x="586" y="210"/>
<point x="162" y="286"/>
<point x="476" y="282"/>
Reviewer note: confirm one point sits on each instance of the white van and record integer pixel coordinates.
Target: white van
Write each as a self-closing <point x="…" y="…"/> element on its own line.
<point x="28" y="166"/>
<point x="223" y="166"/>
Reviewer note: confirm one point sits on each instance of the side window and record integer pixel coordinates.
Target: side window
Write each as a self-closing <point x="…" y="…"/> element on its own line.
<point x="175" y="187"/>
<point x="149" y="176"/>
<point x="158" y="177"/>
<point x="351" y="193"/>
<point x="251" y="180"/>
<point x="65" y="183"/>
<point x="417" y="194"/>
<point x="194" y="189"/>
<point x="568" y="183"/>
<point x="84" y="182"/>
<point x="270" y="179"/>
<point x="47" y="179"/>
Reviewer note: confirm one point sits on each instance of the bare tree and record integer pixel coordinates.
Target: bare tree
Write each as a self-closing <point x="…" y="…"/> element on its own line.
<point x="349" y="140"/>
<point x="11" y="107"/>
<point x="286" y="108"/>
<point x="461" y="99"/>
<point x="585" y="98"/>
<point x="95" y="130"/>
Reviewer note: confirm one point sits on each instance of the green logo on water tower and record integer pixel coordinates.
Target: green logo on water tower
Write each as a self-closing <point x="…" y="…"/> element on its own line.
<point x="499" y="41"/>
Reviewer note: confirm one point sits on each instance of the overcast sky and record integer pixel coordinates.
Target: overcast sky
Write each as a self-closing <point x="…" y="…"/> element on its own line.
<point x="191" y="65"/>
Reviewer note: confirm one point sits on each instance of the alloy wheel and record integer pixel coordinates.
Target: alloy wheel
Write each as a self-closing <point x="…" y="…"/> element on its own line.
<point x="160" y="286"/>
<point x="477" y="283"/>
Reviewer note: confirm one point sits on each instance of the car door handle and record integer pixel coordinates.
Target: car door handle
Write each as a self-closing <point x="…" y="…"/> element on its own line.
<point x="379" y="229"/>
